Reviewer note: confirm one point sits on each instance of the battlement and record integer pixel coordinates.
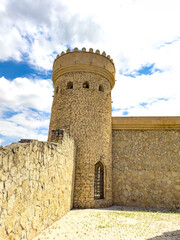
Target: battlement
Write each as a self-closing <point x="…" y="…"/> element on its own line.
<point x="84" y="61"/>
<point x="84" y="50"/>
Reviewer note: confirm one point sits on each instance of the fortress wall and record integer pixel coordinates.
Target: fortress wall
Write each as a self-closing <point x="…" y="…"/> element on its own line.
<point x="86" y="114"/>
<point x="82" y="106"/>
<point x="146" y="167"/>
<point x="36" y="186"/>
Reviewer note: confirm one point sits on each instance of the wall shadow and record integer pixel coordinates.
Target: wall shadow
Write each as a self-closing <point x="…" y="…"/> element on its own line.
<point x="140" y="209"/>
<point x="174" y="235"/>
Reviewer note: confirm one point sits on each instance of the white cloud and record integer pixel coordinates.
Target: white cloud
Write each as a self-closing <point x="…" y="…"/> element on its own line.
<point x="130" y="30"/>
<point x="25" y="125"/>
<point x="25" y="106"/>
<point x="24" y="93"/>
<point x="30" y="119"/>
<point x="134" y="32"/>
<point x="130" y="92"/>
<point x="39" y="30"/>
<point x="158" y="108"/>
<point x="1" y="141"/>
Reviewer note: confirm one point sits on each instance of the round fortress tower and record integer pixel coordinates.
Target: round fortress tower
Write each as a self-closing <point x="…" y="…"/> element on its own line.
<point x="82" y="106"/>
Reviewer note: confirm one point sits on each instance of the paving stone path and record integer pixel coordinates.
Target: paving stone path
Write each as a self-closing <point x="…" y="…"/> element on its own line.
<point x="115" y="223"/>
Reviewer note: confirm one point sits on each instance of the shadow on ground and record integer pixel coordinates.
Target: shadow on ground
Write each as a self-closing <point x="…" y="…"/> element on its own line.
<point x="139" y="209"/>
<point x="174" y="235"/>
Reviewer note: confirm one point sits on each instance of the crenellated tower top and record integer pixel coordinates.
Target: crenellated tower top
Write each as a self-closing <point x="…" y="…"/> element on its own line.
<point x="84" y="61"/>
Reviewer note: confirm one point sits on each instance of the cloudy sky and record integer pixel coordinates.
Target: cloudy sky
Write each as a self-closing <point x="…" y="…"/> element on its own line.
<point x="142" y="37"/>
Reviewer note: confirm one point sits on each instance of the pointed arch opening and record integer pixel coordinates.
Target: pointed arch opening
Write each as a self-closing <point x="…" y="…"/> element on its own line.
<point x="99" y="181"/>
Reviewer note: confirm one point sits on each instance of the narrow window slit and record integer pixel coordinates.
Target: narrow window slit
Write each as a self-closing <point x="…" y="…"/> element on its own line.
<point x="101" y="88"/>
<point x="57" y="90"/>
<point x="86" y="85"/>
<point x="99" y="181"/>
<point x="70" y="85"/>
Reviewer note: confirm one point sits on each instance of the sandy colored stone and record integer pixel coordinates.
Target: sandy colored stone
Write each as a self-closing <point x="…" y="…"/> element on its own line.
<point x="9" y="223"/>
<point x="24" y="196"/>
<point x="148" y="165"/>
<point x="86" y="114"/>
<point x="41" y="181"/>
<point x="1" y="186"/>
<point x="2" y="232"/>
<point x="116" y="223"/>
<point x="13" y="171"/>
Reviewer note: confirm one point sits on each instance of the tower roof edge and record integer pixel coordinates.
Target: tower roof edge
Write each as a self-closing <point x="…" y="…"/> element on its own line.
<point x="87" y="61"/>
<point x="76" y="50"/>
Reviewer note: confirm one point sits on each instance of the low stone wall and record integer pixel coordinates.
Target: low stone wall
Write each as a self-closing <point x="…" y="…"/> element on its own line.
<point x="36" y="186"/>
<point x="146" y="168"/>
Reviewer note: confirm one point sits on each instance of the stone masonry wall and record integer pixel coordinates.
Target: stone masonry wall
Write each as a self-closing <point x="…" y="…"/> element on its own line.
<point x="36" y="186"/>
<point x="146" y="168"/>
<point x="86" y="114"/>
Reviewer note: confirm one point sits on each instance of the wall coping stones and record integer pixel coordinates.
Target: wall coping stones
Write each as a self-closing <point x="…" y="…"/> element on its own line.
<point x="146" y="123"/>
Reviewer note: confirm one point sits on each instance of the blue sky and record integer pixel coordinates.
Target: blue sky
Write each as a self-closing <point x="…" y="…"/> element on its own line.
<point x="148" y="69"/>
<point x="143" y="42"/>
<point x="11" y="69"/>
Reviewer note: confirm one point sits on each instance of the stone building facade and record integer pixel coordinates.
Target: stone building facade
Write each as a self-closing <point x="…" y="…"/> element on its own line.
<point x="91" y="159"/>
<point x="126" y="161"/>
<point x="146" y="161"/>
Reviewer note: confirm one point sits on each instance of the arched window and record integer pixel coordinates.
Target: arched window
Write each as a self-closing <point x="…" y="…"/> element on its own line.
<point x="101" y="88"/>
<point x="86" y="85"/>
<point x="70" y="85"/>
<point x="99" y="181"/>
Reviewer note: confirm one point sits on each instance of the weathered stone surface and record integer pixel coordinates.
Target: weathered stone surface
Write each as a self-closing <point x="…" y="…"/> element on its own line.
<point x="9" y="223"/>
<point x="2" y="233"/>
<point x="82" y="106"/>
<point x="86" y="114"/>
<point x="28" y="186"/>
<point x="37" y="179"/>
<point x="146" y="168"/>
<point x="1" y="186"/>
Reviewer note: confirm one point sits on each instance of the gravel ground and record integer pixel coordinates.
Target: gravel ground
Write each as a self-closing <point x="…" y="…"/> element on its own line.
<point x="115" y="223"/>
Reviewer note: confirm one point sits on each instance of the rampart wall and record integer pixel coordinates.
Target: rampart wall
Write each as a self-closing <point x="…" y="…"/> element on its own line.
<point x="36" y="186"/>
<point x="146" y="163"/>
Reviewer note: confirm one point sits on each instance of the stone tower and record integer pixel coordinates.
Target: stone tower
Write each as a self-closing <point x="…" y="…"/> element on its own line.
<point x="82" y="106"/>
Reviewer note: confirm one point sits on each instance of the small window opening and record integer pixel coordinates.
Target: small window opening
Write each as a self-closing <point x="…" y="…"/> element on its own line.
<point x="101" y="88"/>
<point x="99" y="181"/>
<point x="57" y="90"/>
<point x="70" y="85"/>
<point x="86" y="85"/>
